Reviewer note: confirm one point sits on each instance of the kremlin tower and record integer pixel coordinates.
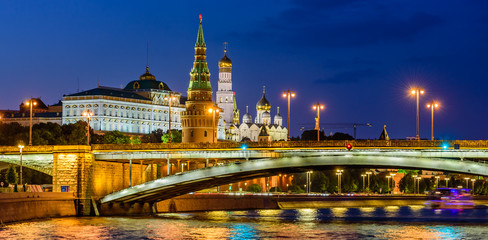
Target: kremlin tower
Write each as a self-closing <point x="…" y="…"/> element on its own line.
<point x="198" y="121"/>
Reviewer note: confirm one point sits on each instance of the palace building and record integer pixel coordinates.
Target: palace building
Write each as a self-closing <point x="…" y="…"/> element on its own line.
<point x="140" y="108"/>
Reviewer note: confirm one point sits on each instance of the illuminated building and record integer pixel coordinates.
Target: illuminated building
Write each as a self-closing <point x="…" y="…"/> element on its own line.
<point x="138" y="108"/>
<point x="200" y="121"/>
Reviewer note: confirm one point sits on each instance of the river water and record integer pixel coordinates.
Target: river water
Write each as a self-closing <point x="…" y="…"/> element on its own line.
<point x="408" y="222"/>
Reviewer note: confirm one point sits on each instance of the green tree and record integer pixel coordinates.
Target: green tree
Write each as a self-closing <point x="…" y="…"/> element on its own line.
<point x="275" y="189"/>
<point x="153" y="137"/>
<point x="135" y="140"/>
<point x="12" y="176"/>
<point x="254" y="188"/>
<point x="175" y="137"/>
<point x="115" y="137"/>
<point x="295" y="189"/>
<point x="319" y="181"/>
<point x="75" y="133"/>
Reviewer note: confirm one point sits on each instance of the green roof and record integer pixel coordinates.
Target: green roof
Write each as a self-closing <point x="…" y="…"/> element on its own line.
<point x="112" y="92"/>
<point x="146" y="85"/>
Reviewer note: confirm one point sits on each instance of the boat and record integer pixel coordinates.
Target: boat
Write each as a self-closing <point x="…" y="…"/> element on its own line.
<point x="450" y="198"/>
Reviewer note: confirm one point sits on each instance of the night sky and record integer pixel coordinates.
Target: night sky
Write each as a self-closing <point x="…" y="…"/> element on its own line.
<point x="359" y="58"/>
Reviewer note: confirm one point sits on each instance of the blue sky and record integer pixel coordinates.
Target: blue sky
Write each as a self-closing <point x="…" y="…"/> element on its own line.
<point x="359" y="58"/>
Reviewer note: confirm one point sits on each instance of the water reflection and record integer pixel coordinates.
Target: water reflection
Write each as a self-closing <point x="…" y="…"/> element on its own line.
<point x="412" y="222"/>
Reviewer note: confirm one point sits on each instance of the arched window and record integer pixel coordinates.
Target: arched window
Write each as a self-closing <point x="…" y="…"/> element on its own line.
<point x="205" y="133"/>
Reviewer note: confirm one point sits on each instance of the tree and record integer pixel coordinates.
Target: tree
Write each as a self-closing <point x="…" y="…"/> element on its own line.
<point x="319" y="181"/>
<point x="295" y="189"/>
<point x="311" y="135"/>
<point x="340" y="136"/>
<point x="275" y="189"/>
<point x="153" y="137"/>
<point x="135" y="140"/>
<point x="175" y="137"/>
<point x="75" y="133"/>
<point x="12" y="176"/>
<point x="254" y="188"/>
<point x="115" y="137"/>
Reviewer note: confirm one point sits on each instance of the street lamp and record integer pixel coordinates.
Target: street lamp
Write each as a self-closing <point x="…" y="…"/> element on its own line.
<point x="363" y="175"/>
<point x="436" y="181"/>
<point x="170" y="98"/>
<point x="414" y="182"/>
<point x="467" y="179"/>
<point x="29" y="103"/>
<point x="318" y="107"/>
<point x="88" y="115"/>
<point x="182" y="167"/>
<point x="368" y="173"/>
<point x="432" y="105"/>
<point x="213" y="111"/>
<point x="309" y="182"/>
<point x="472" y="182"/>
<point x="288" y="94"/>
<point x="418" y="184"/>
<point x="417" y="91"/>
<point x="339" y="174"/>
<point x="388" y="177"/>
<point x="447" y="180"/>
<point x="21" y="147"/>
<point x="392" y="180"/>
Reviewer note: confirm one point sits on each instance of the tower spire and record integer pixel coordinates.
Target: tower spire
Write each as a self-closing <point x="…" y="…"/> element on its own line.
<point x="264" y="89"/>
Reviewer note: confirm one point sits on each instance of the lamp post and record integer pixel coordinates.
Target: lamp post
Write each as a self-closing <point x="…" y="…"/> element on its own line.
<point x="213" y="111"/>
<point x="368" y="173"/>
<point x="29" y="103"/>
<point x="309" y="182"/>
<point x="318" y="107"/>
<point x="432" y="105"/>
<point x="170" y="98"/>
<point x="447" y="182"/>
<point x="414" y="182"/>
<point x="288" y="94"/>
<point x="363" y="175"/>
<point x="392" y="181"/>
<point x="467" y="179"/>
<point x="388" y="177"/>
<point x="21" y="147"/>
<point x="339" y="174"/>
<point x="418" y="184"/>
<point x="437" y="181"/>
<point x="417" y="91"/>
<point x="88" y="115"/>
<point x="472" y="183"/>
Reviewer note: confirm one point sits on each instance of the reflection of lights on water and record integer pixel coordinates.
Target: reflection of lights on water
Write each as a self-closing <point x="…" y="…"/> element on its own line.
<point x="339" y="211"/>
<point x="416" y="207"/>
<point x="447" y="232"/>
<point x="243" y="231"/>
<point x="367" y="209"/>
<point x="217" y="215"/>
<point x="269" y="215"/>
<point x="391" y="208"/>
<point x="307" y="214"/>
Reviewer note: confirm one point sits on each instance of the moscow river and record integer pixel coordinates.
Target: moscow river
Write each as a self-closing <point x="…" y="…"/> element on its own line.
<point x="408" y="222"/>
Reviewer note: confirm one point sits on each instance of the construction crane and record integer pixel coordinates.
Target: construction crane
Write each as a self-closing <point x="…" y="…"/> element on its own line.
<point x="340" y="126"/>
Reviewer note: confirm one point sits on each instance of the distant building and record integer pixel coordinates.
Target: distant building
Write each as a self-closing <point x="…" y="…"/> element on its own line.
<point x="41" y="113"/>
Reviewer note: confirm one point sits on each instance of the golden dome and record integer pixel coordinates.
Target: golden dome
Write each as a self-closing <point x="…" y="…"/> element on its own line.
<point x="147" y="75"/>
<point x="225" y="61"/>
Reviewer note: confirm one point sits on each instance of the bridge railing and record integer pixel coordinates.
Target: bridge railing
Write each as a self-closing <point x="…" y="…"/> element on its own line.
<point x="279" y="144"/>
<point x="299" y="144"/>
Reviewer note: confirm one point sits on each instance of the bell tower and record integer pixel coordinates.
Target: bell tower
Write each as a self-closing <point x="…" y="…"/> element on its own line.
<point x="225" y="95"/>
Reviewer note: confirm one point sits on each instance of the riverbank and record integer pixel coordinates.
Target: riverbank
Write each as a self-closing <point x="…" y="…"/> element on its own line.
<point x="22" y="206"/>
<point x="217" y="202"/>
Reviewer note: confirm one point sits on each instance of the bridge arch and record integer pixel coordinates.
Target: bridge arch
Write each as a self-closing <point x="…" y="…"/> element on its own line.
<point x="204" y="178"/>
<point x="39" y="162"/>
